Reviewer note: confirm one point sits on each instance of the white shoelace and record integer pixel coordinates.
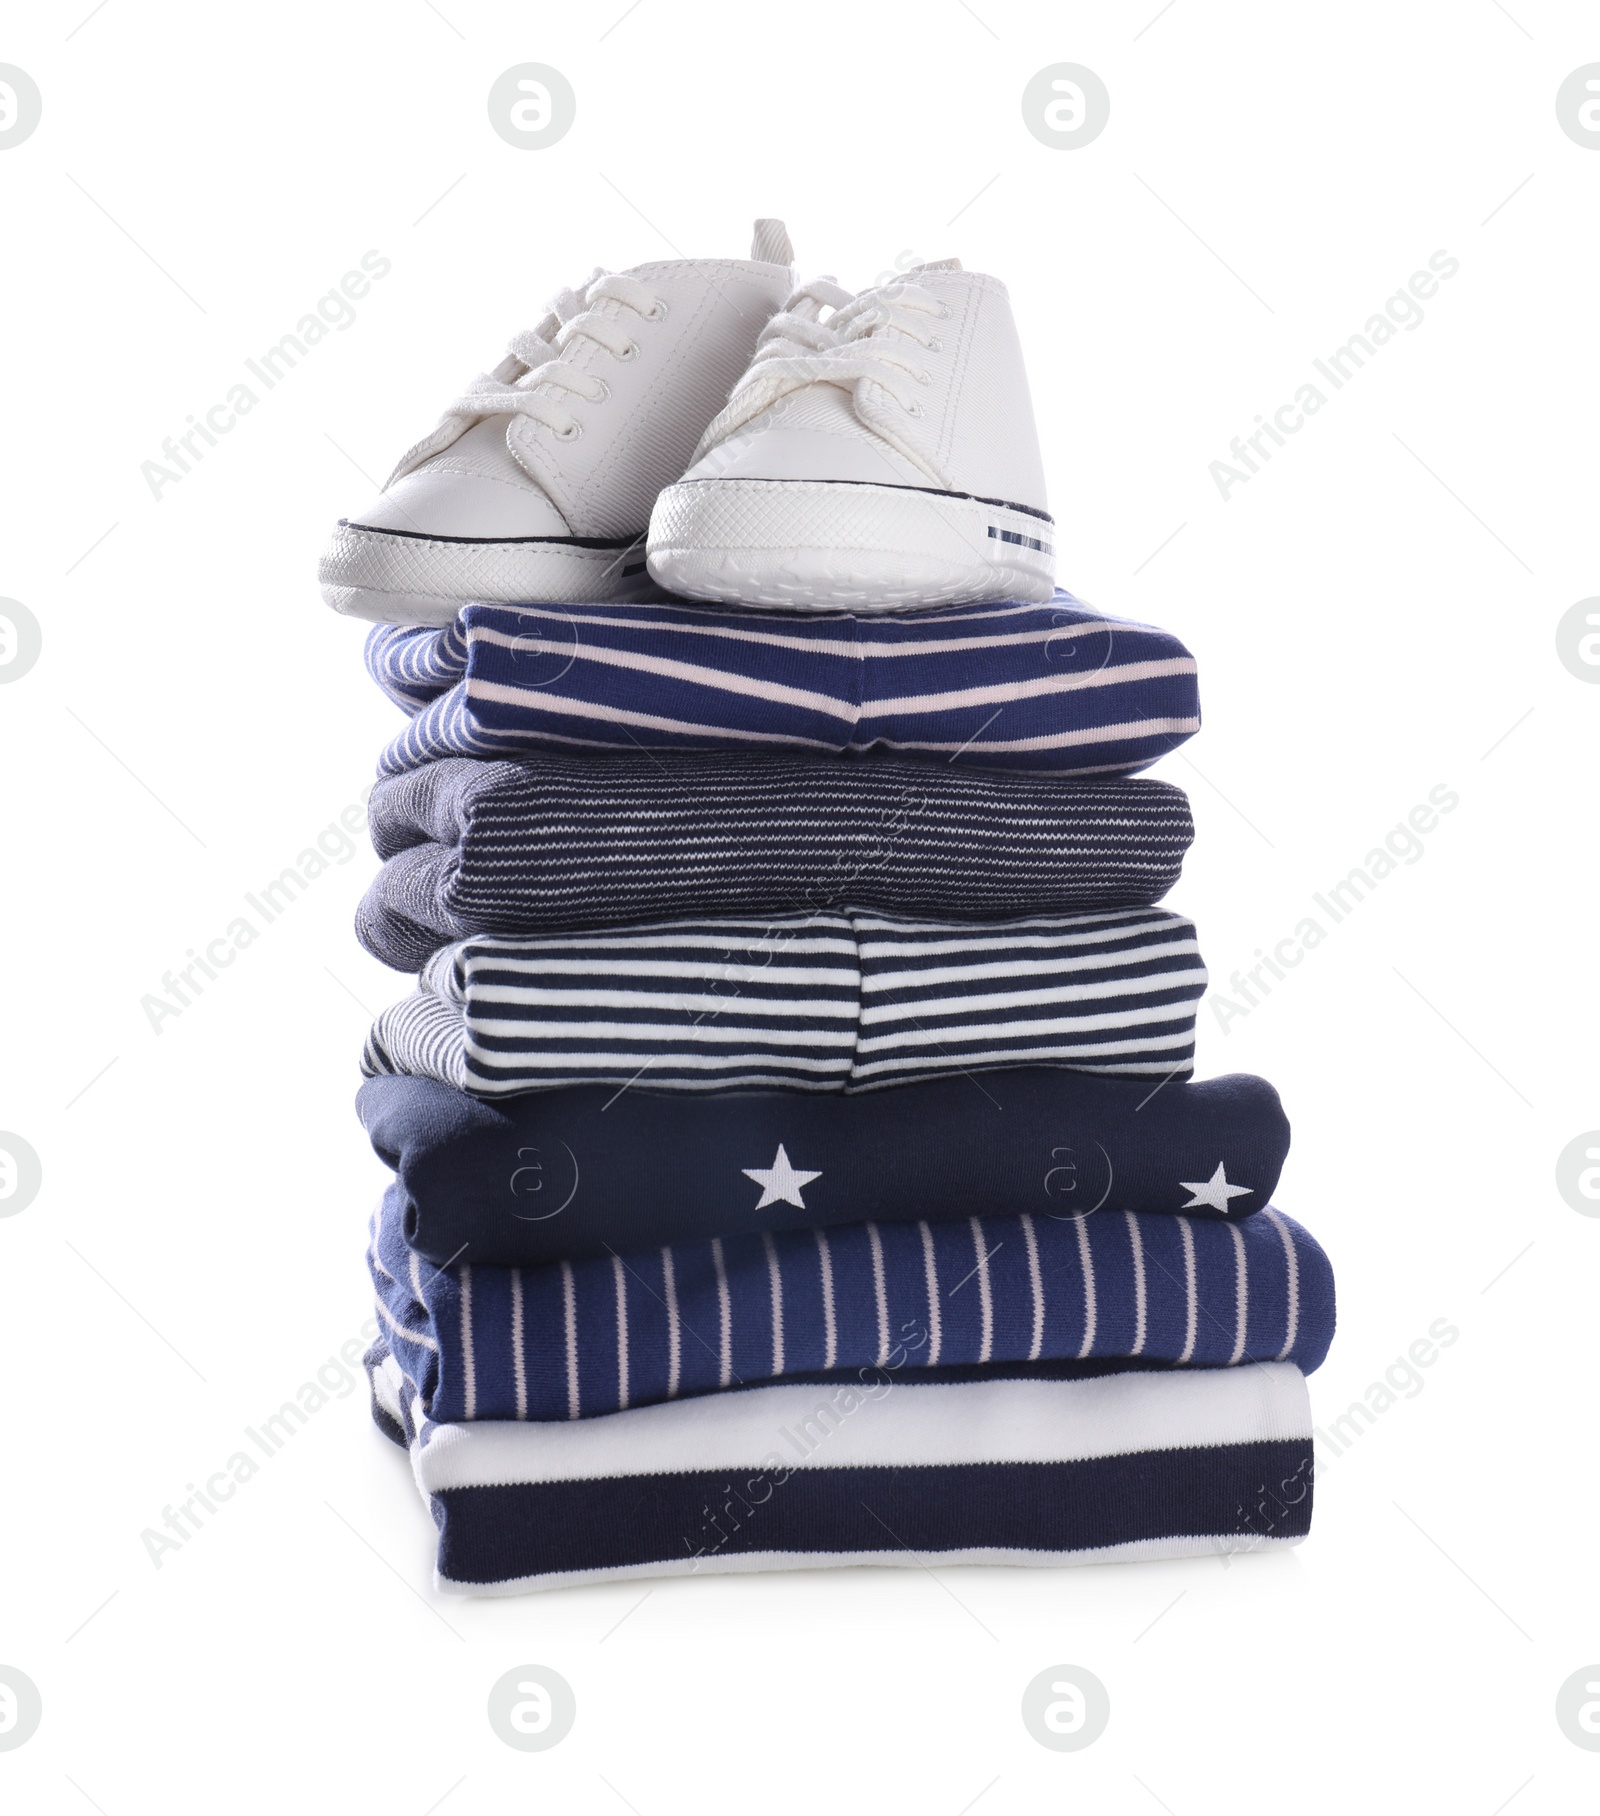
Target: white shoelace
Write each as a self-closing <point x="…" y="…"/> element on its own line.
<point x="798" y="327"/>
<point x="535" y="391"/>
<point x="873" y="336"/>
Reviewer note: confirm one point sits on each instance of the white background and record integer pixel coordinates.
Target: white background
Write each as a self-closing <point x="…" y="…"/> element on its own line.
<point x="1374" y="614"/>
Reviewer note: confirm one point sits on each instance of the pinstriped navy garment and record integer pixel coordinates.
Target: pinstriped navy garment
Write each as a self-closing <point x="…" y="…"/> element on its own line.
<point x="577" y="1338"/>
<point x="567" y="841"/>
<point x="1056" y="688"/>
<point x="822" y="1002"/>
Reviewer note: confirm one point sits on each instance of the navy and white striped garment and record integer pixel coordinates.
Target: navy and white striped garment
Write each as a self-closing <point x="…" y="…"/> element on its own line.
<point x="823" y="1002"/>
<point x="577" y="1338"/>
<point x="563" y="841"/>
<point x="1043" y="687"/>
<point x="1011" y="1465"/>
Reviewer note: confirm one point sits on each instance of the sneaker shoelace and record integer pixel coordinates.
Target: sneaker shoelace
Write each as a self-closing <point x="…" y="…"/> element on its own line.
<point x="874" y="337"/>
<point x="798" y="327"/>
<point x="532" y="377"/>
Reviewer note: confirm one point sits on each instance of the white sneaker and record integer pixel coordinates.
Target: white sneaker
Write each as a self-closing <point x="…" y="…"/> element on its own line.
<point x="885" y="456"/>
<point x="538" y="482"/>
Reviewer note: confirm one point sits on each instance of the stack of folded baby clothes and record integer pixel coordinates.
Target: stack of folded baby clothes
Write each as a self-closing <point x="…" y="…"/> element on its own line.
<point x="795" y="1160"/>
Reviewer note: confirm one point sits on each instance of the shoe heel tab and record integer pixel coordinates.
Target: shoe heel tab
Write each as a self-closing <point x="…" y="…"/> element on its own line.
<point x="770" y="244"/>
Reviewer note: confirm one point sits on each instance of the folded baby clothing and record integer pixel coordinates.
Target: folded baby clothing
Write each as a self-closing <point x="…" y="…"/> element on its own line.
<point x="795" y="1156"/>
<point x="1014" y="1466"/>
<point x="822" y="1002"/>
<point x="584" y="1172"/>
<point x="576" y="1339"/>
<point x="563" y="841"/>
<point x="1054" y="688"/>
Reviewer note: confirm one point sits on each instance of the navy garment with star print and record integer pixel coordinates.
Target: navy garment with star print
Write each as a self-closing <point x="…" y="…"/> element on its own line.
<point x="588" y="1171"/>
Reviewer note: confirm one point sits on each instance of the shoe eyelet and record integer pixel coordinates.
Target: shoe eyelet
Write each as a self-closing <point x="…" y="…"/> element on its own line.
<point x="924" y="378"/>
<point x="604" y="393"/>
<point x="571" y="433"/>
<point x="631" y="352"/>
<point x="936" y="346"/>
<point x="913" y="409"/>
<point x="945" y="312"/>
<point x="657" y="312"/>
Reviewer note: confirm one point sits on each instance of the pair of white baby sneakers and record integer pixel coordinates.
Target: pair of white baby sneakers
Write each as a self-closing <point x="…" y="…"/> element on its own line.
<point x="709" y="428"/>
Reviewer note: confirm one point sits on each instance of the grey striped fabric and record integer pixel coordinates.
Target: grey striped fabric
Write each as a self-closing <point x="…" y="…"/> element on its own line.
<point x="824" y="1002"/>
<point x="588" y="842"/>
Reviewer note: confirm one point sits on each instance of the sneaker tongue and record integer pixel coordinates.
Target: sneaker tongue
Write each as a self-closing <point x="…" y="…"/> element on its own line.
<point x="938" y="265"/>
<point x="770" y="245"/>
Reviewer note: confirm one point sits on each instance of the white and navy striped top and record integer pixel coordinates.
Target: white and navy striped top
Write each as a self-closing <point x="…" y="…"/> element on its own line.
<point x="1056" y="687"/>
<point x="822" y="1002"/>
<point x="576" y="1338"/>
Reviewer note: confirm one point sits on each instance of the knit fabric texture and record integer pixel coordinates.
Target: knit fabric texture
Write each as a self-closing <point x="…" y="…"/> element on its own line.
<point x="1054" y="687"/>
<point x="571" y="841"/>
<point x="822" y="1002"/>
<point x="566" y="1175"/>
<point x="884" y="1468"/>
<point x="579" y="1338"/>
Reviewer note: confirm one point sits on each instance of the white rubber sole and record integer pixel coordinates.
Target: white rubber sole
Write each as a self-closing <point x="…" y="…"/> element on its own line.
<point x="391" y="579"/>
<point x="798" y="543"/>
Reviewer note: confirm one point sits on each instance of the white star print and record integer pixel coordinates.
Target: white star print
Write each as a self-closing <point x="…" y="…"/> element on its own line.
<point x="780" y="1182"/>
<point x="1214" y="1192"/>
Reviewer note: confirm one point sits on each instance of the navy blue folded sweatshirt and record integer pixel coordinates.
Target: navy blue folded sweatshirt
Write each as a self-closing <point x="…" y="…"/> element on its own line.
<point x="559" y="1175"/>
